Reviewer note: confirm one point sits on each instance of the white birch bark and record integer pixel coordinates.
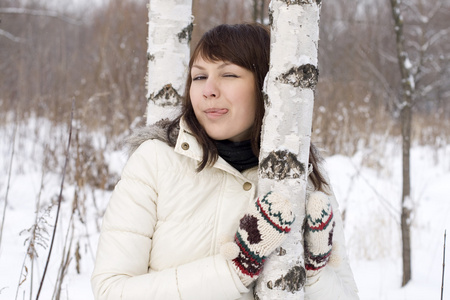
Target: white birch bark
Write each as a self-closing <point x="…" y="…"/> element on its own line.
<point x="169" y="34"/>
<point x="286" y="135"/>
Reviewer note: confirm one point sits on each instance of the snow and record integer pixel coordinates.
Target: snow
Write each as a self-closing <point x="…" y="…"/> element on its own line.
<point x="408" y="64"/>
<point x="412" y="82"/>
<point x="368" y="189"/>
<point x="372" y="233"/>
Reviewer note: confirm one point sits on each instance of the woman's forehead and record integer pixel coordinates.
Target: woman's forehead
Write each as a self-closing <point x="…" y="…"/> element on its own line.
<point x="199" y="60"/>
<point x="208" y="56"/>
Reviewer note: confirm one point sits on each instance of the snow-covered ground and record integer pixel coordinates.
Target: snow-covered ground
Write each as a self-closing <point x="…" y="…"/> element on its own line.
<point x="367" y="185"/>
<point x="372" y="201"/>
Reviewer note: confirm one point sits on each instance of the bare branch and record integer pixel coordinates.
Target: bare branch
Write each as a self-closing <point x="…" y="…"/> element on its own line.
<point x="59" y="200"/>
<point x="9" y="180"/>
<point x="11" y="36"/>
<point x="36" y="12"/>
<point x="435" y="37"/>
<point x="443" y="266"/>
<point x="381" y="78"/>
<point x="436" y="8"/>
<point x="431" y="87"/>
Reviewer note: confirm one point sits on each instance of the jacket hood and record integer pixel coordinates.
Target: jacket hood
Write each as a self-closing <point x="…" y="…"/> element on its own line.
<point x="156" y="131"/>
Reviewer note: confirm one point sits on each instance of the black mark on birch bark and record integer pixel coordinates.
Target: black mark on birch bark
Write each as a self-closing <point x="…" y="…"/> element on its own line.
<point x="270" y="285"/>
<point x="294" y="280"/>
<point x="281" y="251"/>
<point x="167" y="96"/>
<point x="270" y="17"/>
<point x="186" y="33"/>
<point x="305" y="76"/>
<point x="299" y="2"/>
<point x="266" y="99"/>
<point x="281" y="164"/>
<point x="150" y="57"/>
<point x="255" y="296"/>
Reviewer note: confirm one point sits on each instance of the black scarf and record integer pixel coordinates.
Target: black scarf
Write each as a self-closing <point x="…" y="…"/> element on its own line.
<point x="237" y="154"/>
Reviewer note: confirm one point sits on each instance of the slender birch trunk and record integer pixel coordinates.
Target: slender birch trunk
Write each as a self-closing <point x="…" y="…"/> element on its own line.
<point x="169" y="35"/>
<point x="286" y="134"/>
<point x="408" y="87"/>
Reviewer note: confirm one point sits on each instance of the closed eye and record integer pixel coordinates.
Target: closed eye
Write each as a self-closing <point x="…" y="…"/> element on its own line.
<point x="231" y="75"/>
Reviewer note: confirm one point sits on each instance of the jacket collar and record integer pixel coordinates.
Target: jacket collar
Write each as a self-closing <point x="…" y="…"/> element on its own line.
<point x="187" y="145"/>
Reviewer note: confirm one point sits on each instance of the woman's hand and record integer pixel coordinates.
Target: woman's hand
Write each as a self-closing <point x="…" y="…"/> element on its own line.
<point x="261" y="230"/>
<point x="318" y="232"/>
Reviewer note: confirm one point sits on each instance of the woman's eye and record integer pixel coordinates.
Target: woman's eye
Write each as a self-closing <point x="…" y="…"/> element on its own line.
<point x="230" y="75"/>
<point x="198" y="77"/>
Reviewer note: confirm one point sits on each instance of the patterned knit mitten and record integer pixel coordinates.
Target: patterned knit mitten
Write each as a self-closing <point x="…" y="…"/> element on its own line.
<point x="261" y="230"/>
<point x="318" y="232"/>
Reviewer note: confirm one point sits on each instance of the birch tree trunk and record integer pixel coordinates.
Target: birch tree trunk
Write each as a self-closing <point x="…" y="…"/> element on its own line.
<point x="408" y="86"/>
<point x="169" y="35"/>
<point x="286" y="135"/>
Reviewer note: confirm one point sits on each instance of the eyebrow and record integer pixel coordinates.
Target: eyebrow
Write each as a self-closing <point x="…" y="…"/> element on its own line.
<point x="220" y="67"/>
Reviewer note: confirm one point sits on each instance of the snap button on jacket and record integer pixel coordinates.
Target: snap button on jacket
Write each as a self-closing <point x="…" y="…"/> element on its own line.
<point x="247" y="186"/>
<point x="185" y="146"/>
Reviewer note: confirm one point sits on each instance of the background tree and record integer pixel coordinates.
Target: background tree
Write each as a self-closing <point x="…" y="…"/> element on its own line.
<point x="208" y="14"/>
<point x="408" y="86"/>
<point x="415" y="85"/>
<point x="259" y="11"/>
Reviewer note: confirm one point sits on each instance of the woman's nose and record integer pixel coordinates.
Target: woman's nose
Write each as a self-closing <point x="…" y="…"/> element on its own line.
<point x="210" y="90"/>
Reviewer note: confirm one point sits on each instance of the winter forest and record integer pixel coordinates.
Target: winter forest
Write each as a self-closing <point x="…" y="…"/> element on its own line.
<point x="76" y="70"/>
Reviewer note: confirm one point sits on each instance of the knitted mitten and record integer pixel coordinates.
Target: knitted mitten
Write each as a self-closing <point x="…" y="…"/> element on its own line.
<point x="318" y="232"/>
<point x="261" y="230"/>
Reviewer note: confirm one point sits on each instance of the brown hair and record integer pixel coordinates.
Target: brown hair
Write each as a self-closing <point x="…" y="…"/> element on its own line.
<point x="248" y="46"/>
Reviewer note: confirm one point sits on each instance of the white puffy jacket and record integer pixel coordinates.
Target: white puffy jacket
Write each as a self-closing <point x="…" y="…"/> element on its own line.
<point x="161" y="231"/>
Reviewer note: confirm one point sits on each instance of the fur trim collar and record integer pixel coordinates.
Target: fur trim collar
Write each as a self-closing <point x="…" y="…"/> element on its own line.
<point x="156" y="131"/>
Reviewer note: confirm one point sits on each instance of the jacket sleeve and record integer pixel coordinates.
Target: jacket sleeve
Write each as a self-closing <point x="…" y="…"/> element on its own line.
<point x="335" y="281"/>
<point x="122" y="264"/>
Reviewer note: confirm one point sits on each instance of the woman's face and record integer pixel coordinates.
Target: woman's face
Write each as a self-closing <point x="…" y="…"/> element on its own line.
<point x="224" y="100"/>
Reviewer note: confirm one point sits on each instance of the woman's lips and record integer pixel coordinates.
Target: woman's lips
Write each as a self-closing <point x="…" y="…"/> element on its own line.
<point x="216" y="112"/>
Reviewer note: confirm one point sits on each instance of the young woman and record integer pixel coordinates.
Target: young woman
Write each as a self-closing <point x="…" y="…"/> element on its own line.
<point x="184" y="221"/>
